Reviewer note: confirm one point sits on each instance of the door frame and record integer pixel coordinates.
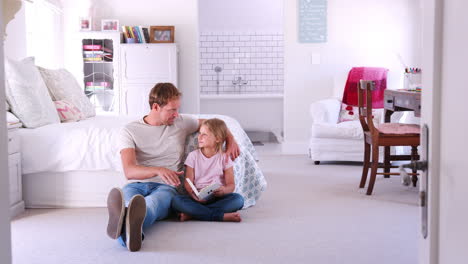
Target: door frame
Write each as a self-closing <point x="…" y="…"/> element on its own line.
<point x="5" y="227"/>
<point x="432" y="35"/>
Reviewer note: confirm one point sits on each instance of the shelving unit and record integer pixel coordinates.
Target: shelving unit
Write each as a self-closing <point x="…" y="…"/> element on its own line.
<point x="98" y="73"/>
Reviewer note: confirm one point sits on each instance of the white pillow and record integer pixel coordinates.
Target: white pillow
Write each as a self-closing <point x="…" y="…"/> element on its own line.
<point x="27" y="94"/>
<point x="63" y="86"/>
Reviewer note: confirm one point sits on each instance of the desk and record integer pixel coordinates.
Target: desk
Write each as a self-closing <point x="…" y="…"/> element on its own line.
<point x="401" y="100"/>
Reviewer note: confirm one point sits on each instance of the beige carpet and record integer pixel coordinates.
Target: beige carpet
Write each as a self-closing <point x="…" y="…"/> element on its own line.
<point x="309" y="214"/>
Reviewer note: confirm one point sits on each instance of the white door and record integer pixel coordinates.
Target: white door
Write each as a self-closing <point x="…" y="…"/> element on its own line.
<point x="444" y="100"/>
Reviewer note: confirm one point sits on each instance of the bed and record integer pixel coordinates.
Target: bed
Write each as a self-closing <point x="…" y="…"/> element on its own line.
<point x="76" y="164"/>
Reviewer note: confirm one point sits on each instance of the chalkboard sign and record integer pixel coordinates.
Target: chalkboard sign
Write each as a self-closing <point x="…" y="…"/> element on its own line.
<point x="312" y="21"/>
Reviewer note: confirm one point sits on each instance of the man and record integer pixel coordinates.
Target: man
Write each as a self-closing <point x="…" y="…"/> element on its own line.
<point x="151" y="150"/>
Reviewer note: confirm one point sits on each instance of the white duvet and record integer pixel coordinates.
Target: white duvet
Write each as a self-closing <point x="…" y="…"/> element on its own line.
<point x="88" y="145"/>
<point x="85" y="145"/>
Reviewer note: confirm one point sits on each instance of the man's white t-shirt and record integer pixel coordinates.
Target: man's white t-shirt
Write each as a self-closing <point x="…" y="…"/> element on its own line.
<point x="158" y="146"/>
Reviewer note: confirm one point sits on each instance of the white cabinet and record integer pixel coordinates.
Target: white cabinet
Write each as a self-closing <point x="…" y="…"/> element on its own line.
<point x="142" y="66"/>
<point x="14" y="173"/>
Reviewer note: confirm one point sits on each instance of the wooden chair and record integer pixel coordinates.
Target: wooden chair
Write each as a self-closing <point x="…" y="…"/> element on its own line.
<point x="382" y="135"/>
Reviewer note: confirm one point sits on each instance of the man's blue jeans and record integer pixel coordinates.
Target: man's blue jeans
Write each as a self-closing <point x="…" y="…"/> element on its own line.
<point x="158" y="197"/>
<point x="213" y="210"/>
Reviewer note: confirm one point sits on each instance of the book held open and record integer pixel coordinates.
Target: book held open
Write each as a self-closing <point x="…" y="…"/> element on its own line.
<point x="205" y="193"/>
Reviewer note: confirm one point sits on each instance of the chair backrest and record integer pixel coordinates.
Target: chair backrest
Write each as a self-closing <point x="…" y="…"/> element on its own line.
<point x="365" y="90"/>
<point x="376" y="74"/>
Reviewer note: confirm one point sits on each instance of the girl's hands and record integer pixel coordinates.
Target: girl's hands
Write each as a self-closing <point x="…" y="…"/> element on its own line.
<point x="194" y="197"/>
<point x="221" y="191"/>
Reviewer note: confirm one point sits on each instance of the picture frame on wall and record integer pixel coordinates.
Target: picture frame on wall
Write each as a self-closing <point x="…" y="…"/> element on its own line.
<point x="109" y="25"/>
<point x="85" y="23"/>
<point x="162" y="34"/>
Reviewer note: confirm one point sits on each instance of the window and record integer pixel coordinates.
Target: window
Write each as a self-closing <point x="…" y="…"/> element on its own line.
<point x="44" y="32"/>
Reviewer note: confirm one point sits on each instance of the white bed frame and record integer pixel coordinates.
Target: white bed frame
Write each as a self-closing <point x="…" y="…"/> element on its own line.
<point x="70" y="189"/>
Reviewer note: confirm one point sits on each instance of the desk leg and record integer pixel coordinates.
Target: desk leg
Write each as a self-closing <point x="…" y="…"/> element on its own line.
<point x="387" y="115"/>
<point x="387" y="161"/>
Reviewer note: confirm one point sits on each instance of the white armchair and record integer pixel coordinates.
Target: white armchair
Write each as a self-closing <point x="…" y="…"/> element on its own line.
<point x="334" y="141"/>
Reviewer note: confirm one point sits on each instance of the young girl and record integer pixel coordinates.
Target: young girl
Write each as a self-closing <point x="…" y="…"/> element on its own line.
<point x="205" y="166"/>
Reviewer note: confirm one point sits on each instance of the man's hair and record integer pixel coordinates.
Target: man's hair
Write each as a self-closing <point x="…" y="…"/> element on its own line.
<point x="162" y="93"/>
<point x="219" y="130"/>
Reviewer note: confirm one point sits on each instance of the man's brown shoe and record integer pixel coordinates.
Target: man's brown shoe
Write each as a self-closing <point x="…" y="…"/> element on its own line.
<point x="136" y="213"/>
<point x="116" y="209"/>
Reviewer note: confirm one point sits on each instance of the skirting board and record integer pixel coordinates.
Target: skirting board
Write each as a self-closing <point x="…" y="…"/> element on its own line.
<point x="16" y="209"/>
<point x="295" y="147"/>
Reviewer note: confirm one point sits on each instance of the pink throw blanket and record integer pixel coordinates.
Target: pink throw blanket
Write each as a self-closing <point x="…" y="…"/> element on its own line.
<point x="378" y="75"/>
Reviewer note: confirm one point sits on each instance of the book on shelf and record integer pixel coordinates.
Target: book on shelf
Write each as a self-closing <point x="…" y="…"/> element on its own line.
<point x="125" y="32"/>
<point x="93" y="59"/>
<point x="105" y="84"/>
<point x="129" y="28"/>
<point x="93" y="52"/>
<point x="97" y="85"/>
<point x="135" y="34"/>
<point x="142" y="36"/>
<point x="95" y="88"/>
<point x="100" y="55"/>
<point x="146" y="34"/>
<point x="91" y="47"/>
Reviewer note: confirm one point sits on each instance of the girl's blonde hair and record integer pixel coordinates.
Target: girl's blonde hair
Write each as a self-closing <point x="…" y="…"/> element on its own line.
<point x="219" y="130"/>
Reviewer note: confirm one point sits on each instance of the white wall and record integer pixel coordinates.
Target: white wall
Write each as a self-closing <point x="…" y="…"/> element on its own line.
<point x="15" y="42"/>
<point x="255" y="56"/>
<point x="360" y="33"/>
<point x="240" y="15"/>
<point x="180" y="13"/>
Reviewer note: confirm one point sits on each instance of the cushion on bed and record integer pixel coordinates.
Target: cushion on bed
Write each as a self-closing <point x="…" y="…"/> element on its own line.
<point x="27" y="94"/>
<point x="68" y="112"/>
<point x="63" y="86"/>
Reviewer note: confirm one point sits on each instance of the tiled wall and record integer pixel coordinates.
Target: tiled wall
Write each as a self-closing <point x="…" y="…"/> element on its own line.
<point x="256" y="57"/>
